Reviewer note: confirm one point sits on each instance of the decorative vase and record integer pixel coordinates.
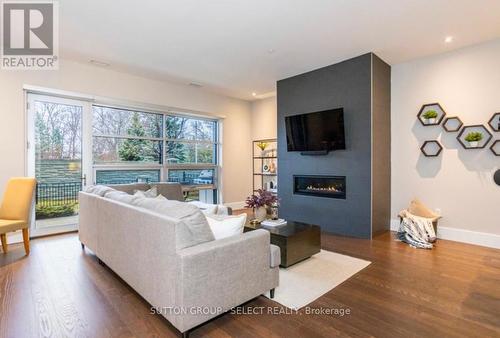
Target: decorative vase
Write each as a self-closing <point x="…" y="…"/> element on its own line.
<point x="431" y="121"/>
<point x="274" y="212"/>
<point x="260" y="213"/>
<point x="473" y="144"/>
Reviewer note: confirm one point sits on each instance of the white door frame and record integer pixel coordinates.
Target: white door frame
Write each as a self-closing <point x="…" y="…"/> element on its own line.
<point x="30" y="150"/>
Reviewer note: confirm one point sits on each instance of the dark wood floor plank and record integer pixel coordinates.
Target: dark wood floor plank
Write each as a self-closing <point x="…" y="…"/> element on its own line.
<point x="451" y="291"/>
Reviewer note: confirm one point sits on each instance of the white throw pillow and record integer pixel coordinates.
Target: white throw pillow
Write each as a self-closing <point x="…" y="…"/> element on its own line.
<point x="121" y="196"/>
<point x="161" y="197"/>
<point x="226" y="226"/>
<point x="151" y="193"/>
<point x="207" y="209"/>
<point x="99" y="190"/>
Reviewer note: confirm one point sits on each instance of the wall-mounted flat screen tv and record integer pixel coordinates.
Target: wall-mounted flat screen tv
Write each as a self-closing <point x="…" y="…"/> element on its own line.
<point x="321" y="131"/>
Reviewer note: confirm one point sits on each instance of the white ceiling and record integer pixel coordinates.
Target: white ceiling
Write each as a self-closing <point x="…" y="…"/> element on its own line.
<point x="225" y="44"/>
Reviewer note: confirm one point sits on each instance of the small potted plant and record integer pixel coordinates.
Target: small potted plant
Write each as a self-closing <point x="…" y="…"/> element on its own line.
<point x="260" y="202"/>
<point x="473" y="138"/>
<point x="430" y="116"/>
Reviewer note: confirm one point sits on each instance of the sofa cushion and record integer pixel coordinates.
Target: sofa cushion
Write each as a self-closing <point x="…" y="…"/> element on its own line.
<point x="99" y="190"/>
<point x="223" y="210"/>
<point x="275" y="257"/>
<point x="207" y="209"/>
<point x="121" y="196"/>
<point x="193" y="227"/>
<point x="130" y="188"/>
<point x="212" y="209"/>
<point x="226" y="226"/>
<point x="151" y="193"/>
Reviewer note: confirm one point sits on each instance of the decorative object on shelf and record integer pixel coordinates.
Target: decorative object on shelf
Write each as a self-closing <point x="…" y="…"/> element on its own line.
<point x="431" y="114"/>
<point x="260" y="202"/>
<point x="431" y="148"/>
<point x="494" y="122"/>
<point x="262" y="146"/>
<point x="474" y="137"/>
<point x="495" y="148"/>
<point x="496" y="177"/>
<point x="452" y="124"/>
<point x="265" y="164"/>
<point x="271" y="186"/>
<point x="272" y="167"/>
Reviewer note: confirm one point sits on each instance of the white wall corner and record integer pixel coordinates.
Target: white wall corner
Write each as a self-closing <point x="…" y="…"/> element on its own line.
<point x="461" y="235"/>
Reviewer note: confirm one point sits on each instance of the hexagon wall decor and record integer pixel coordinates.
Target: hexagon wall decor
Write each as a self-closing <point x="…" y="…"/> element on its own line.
<point x="474" y="145"/>
<point x="431" y="108"/>
<point x="495" y="148"/>
<point x="452" y="124"/>
<point x="494" y="122"/>
<point x="431" y="148"/>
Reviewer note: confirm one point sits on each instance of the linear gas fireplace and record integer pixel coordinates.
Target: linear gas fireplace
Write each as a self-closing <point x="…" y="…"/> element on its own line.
<point x="322" y="186"/>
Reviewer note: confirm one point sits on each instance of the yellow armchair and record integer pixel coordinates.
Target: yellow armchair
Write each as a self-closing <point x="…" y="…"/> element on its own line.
<point x="16" y="208"/>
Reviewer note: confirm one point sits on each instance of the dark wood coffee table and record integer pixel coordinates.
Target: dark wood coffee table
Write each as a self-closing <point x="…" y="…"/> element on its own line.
<point x="297" y="241"/>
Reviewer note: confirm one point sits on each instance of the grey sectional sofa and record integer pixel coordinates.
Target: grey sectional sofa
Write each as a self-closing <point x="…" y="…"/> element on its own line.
<point x="147" y="244"/>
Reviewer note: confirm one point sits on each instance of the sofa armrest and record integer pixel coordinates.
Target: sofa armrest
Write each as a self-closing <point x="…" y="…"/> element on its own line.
<point x="224" y="273"/>
<point x="251" y="241"/>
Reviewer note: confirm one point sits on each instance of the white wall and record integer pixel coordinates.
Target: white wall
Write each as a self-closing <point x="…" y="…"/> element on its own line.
<point x="466" y="83"/>
<point x="103" y="82"/>
<point x="264" y="118"/>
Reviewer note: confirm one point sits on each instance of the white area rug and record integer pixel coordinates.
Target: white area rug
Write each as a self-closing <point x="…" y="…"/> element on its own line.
<point x="306" y="281"/>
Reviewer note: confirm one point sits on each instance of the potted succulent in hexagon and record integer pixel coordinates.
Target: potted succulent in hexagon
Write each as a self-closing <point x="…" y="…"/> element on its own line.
<point x="473" y="138"/>
<point x="430" y="116"/>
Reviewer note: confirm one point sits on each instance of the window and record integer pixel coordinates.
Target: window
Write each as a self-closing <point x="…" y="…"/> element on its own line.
<point x="190" y="140"/>
<point x="125" y="136"/>
<point x="131" y="146"/>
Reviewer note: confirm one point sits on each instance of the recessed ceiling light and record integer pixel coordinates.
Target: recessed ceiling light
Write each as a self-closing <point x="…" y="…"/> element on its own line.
<point x="448" y="39"/>
<point x="270" y="51"/>
<point x="254" y="94"/>
<point x="99" y="63"/>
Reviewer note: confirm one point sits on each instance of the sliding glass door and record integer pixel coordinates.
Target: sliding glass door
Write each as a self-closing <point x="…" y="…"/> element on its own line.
<point x="58" y="159"/>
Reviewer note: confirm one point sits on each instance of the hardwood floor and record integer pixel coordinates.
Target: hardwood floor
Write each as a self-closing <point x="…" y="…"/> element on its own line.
<point x="451" y="291"/>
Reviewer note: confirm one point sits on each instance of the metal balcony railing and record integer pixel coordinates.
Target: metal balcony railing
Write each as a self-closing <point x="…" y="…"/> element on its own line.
<point x="53" y="194"/>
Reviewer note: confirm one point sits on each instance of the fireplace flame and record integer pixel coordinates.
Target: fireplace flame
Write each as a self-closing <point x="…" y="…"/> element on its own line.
<point x="327" y="189"/>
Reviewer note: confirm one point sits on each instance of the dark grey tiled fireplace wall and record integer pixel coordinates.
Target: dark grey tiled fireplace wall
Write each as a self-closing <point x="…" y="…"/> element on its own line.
<point x="348" y="84"/>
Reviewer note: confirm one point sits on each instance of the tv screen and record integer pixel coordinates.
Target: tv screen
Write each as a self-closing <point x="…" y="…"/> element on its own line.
<point x="319" y="131"/>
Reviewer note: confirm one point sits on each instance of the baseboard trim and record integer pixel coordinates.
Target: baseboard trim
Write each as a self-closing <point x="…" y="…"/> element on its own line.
<point x="461" y="235"/>
<point x="236" y="205"/>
